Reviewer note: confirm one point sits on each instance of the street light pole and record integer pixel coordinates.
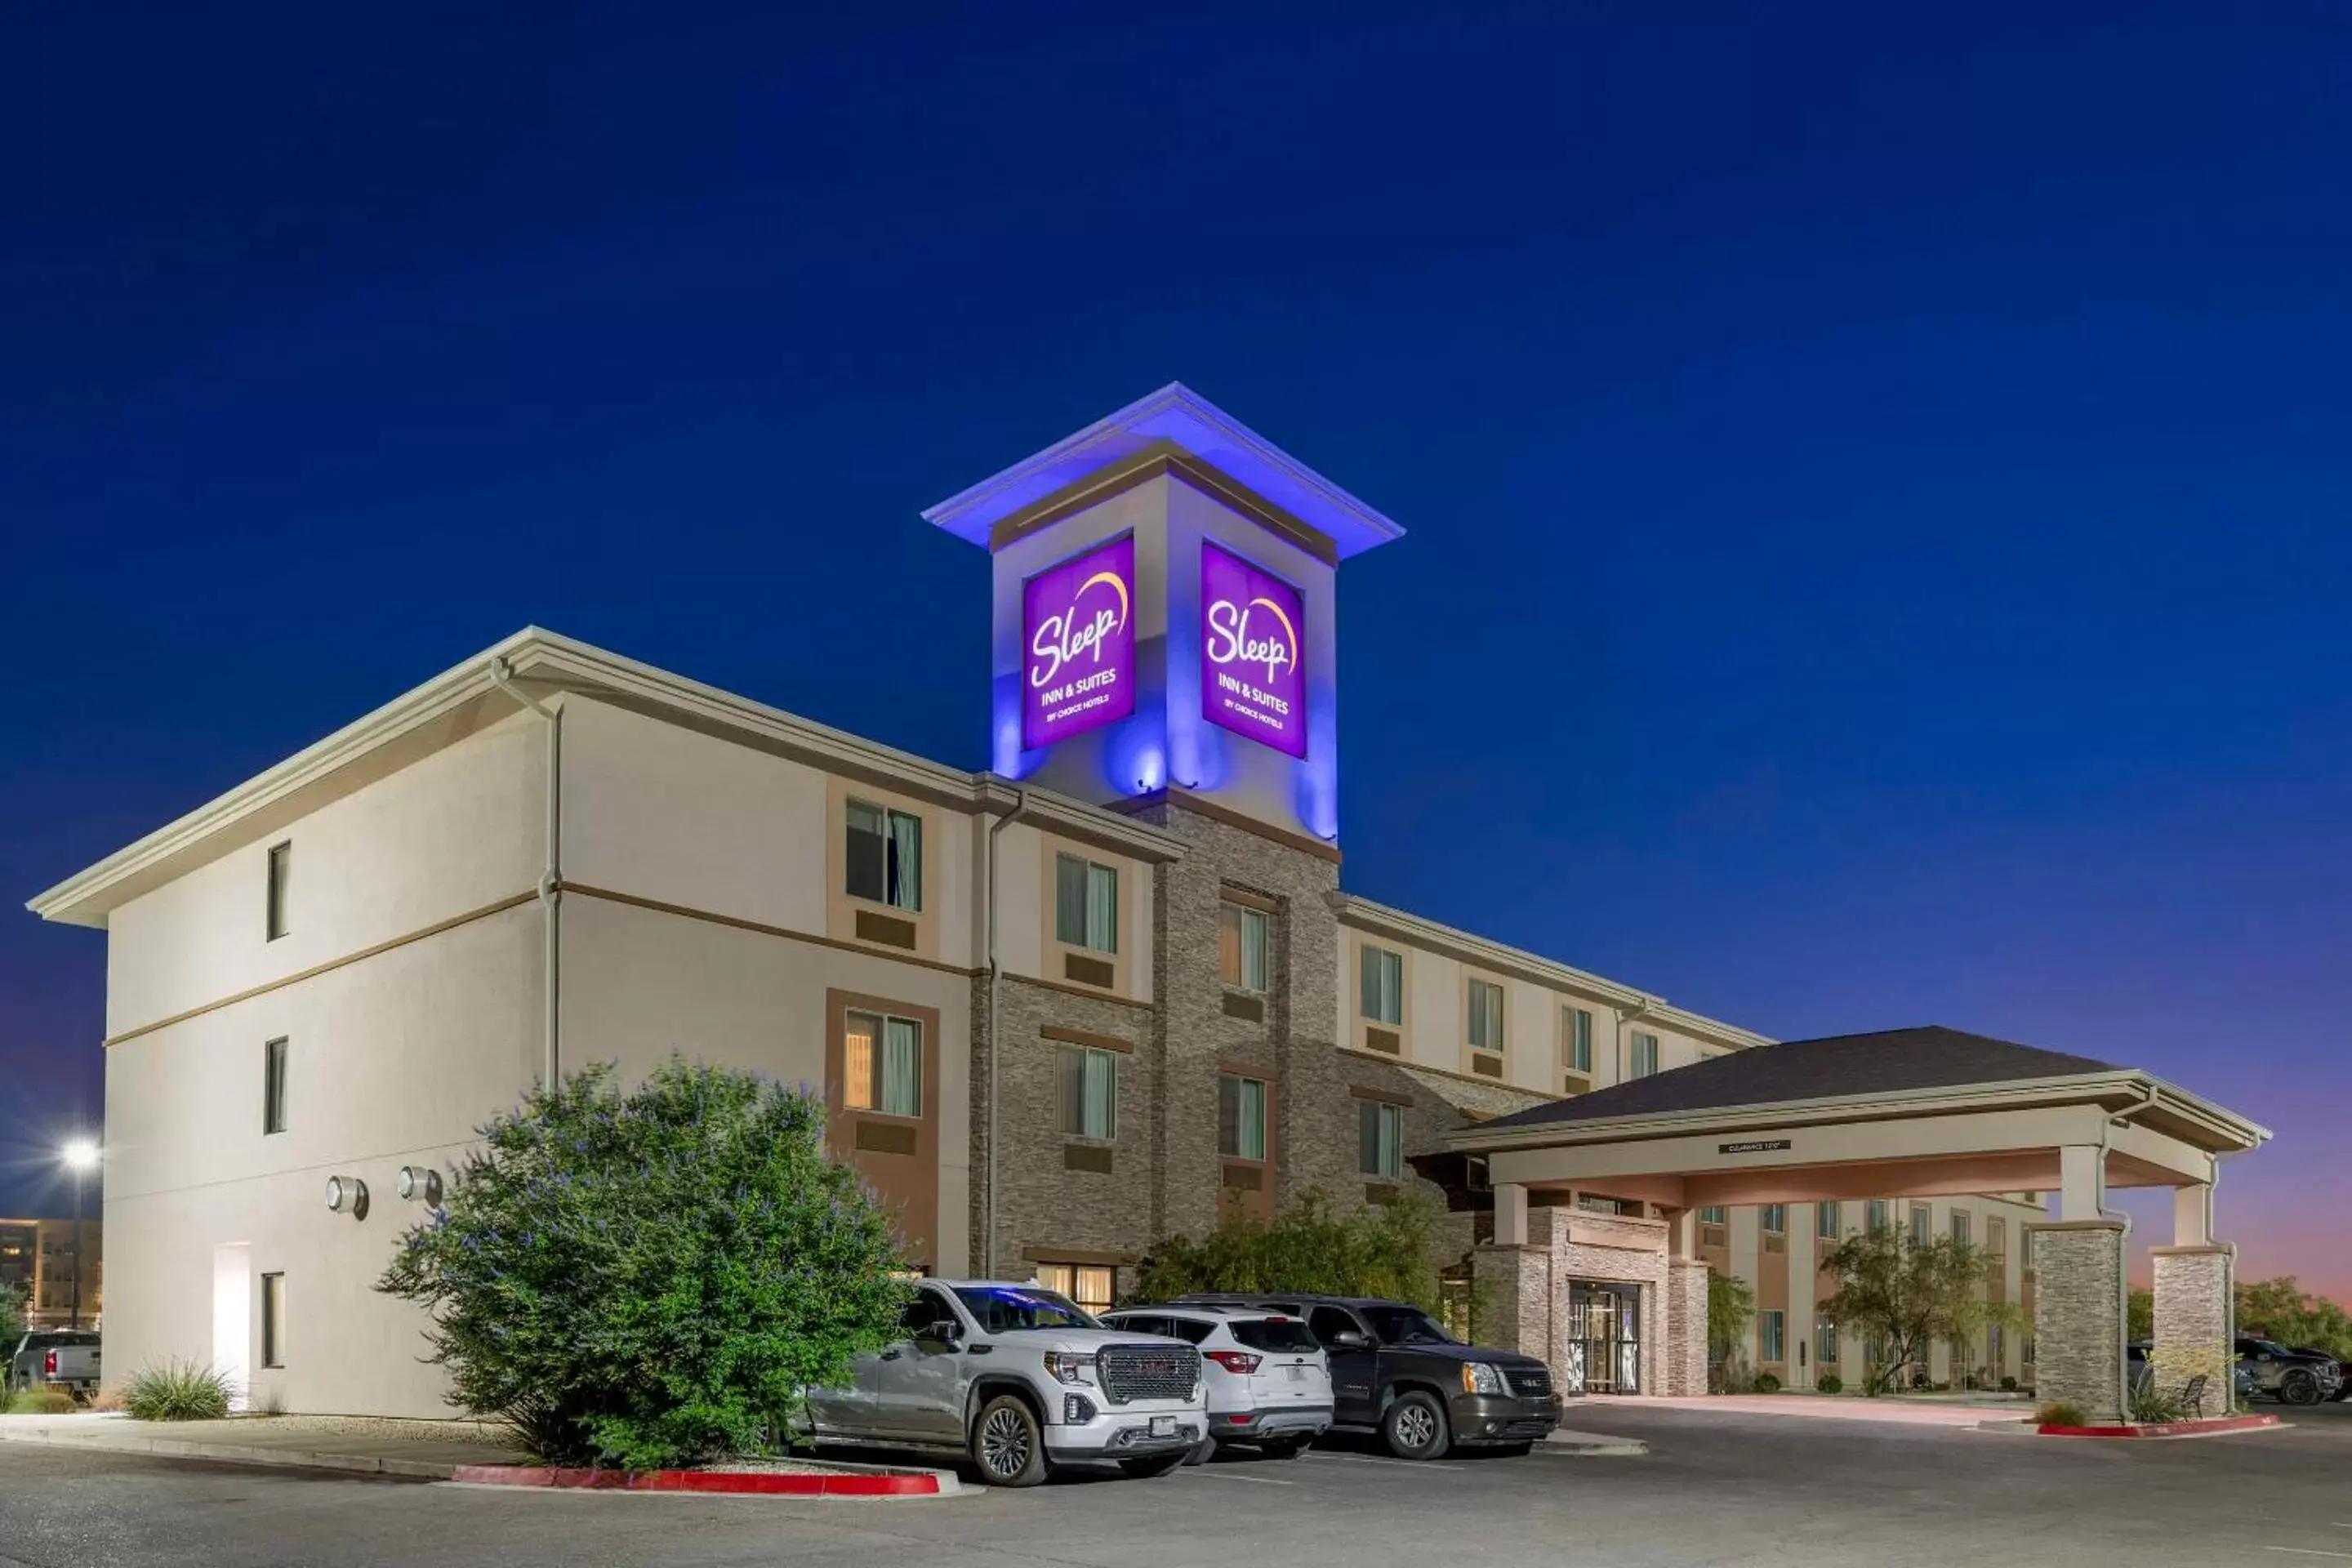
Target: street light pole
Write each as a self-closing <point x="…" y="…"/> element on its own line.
<point x="81" y="1157"/>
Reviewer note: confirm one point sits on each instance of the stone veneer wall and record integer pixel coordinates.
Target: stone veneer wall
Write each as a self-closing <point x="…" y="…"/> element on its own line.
<point x="2078" y="1323"/>
<point x="2195" y="1334"/>
<point x="1683" y="1357"/>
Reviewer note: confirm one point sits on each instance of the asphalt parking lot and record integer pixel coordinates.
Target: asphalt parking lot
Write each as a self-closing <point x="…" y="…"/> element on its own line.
<point x="1714" y="1489"/>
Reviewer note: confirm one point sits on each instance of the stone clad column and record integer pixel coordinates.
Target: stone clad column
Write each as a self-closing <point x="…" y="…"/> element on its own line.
<point x="1682" y="1359"/>
<point x="2195" y="1287"/>
<point x="2078" y="1298"/>
<point x="1512" y="1292"/>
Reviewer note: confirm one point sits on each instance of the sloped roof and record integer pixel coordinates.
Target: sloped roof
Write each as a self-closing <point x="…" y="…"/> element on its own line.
<point x="1888" y="1061"/>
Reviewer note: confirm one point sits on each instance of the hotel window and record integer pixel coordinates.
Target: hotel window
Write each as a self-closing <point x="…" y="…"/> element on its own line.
<point x="1827" y="1221"/>
<point x="1379" y="1139"/>
<point x="886" y="856"/>
<point x="882" y="1065"/>
<point x="1576" y="1028"/>
<point x="1770" y="1328"/>
<point x="2025" y="1349"/>
<point x="1645" y="1055"/>
<point x="1775" y="1217"/>
<point x="1486" y="1016"/>
<point x="1920" y="1224"/>
<point x="1089" y="1093"/>
<point x="281" y="883"/>
<point x="1090" y="1285"/>
<point x="273" y="1319"/>
<point x="1997" y="1236"/>
<point x="1714" y="1213"/>
<point x="1241" y="1117"/>
<point x="273" y="1085"/>
<point x="1086" y="904"/>
<point x="1383" y="987"/>
<point x="1825" y="1340"/>
<point x="1243" y="934"/>
<point x="1960" y="1225"/>
<point x="1876" y="1218"/>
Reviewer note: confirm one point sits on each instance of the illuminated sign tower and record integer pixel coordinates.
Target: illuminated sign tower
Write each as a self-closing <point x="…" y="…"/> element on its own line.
<point x="1164" y="613"/>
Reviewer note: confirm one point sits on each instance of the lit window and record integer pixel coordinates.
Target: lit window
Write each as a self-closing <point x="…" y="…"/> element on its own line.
<point x="1776" y="1218"/>
<point x="281" y="885"/>
<point x="1242" y="933"/>
<point x="1382" y="1001"/>
<point x="1770" y="1326"/>
<point x="1089" y="1093"/>
<point x="1576" y="1028"/>
<point x="1379" y="1139"/>
<point x="885" y="856"/>
<point x="1086" y="904"/>
<point x="1645" y="1056"/>
<point x="1241" y="1117"/>
<point x="273" y="1085"/>
<point x="1090" y="1285"/>
<point x="882" y="1065"/>
<point x="1828" y="1221"/>
<point x="1486" y="1008"/>
<point x="273" y="1319"/>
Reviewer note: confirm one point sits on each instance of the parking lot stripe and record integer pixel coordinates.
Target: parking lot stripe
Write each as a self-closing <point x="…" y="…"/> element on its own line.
<point x="1253" y="1481"/>
<point x="2308" y="1551"/>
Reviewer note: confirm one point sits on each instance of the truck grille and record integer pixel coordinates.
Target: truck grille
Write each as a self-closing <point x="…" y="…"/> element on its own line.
<point x="1529" y="1382"/>
<point x="1149" y="1372"/>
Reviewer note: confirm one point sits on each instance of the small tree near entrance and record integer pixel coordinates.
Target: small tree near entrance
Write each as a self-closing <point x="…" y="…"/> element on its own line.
<point x="1904" y="1296"/>
<point x="1731" y="1308"/>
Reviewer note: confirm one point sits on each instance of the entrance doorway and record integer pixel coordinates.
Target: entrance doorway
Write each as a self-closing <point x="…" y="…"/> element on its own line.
<point x="233" y="1318"/>
<point x="1604" y="1338"/>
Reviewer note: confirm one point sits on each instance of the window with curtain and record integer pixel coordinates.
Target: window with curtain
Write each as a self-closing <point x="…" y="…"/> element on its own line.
<point x="1383" y="985"/>
<point x="1770" y="1332"/>
<point x="1997" y="1236"/>
<point x="1876" y="1215"/>
<point x="1960" y="1228"/>
<point x="886" y="856"/>
<point x="1920" y="1223"/>
<point x="1645" y="1054"/>
<point x="1827" y="1221"/>
<point x="1242" y="941"/>
<point x="1090" y="1285"/>
<point x="1086" y="904"/>
<point x="1576" y="1028"/>
<point x="1241" y="1117"/>
<point x="1713" y="1213"/>
<point x="1485" y="1022"/>
<point x="1089" y="1093"/>
<point x="1379" y="1139"/>
<point x="1776" y="1218"/>
<point x="882" y="1064"/>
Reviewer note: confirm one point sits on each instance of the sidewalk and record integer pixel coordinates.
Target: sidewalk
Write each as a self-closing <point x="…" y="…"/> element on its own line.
<point x="426" y="1450"/>
<point x="1825" y="1407"/>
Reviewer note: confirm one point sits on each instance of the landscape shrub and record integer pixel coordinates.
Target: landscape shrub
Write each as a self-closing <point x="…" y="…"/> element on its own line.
<point x="2009" y="1386"/>
<point x="1767" y="1382"/>
<point x="652" y="1278"/>
<point x="177" y="1391"/>
<point x="1382" y="1249"/>
<point x="2059" y="1413"/>
<point x="1830" y="1382"/>
<point x="45" y="1401"/>
<point x="2149" y="1405"/>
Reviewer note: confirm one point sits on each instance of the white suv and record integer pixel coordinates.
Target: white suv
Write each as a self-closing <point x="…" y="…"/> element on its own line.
<point x="1019" y="1379"/>
<point x="1269" y="1381"/>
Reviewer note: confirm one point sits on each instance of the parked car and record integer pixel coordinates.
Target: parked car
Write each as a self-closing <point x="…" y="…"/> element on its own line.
<point x="67" y="1357"/>
<point x="1395" y="1371"/>
<point x="2292" y="1377"/>
<point x="1019" y="1380"/>
<point x="2342" y="1369"/>
<point x="1269" y="1382"/>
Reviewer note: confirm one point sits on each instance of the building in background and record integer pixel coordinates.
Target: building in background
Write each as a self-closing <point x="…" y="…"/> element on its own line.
<point x="1061" y="1009"/>
<point x="36" y="1266"/>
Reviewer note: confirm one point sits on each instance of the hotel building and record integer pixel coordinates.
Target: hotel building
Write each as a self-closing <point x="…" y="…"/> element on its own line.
<point x="1060" y="1008"/>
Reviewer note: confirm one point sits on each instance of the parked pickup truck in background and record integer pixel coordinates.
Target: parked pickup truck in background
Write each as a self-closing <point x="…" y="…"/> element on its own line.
<point x="1019" y="1380"/>
<point x="68" y="1356"/>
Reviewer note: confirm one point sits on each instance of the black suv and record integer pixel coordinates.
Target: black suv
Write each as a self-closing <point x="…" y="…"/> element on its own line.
<point x="1395" y="1371"/>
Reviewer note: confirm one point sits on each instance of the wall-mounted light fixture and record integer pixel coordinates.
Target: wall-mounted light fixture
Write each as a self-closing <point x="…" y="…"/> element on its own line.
<point x="347" y="1195"/>
<point x="419" y="1184"/>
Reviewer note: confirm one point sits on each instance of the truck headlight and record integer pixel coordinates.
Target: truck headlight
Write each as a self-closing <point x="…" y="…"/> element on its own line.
<point x="1482" y="1377"/>
<point x="1071" y="1367"/>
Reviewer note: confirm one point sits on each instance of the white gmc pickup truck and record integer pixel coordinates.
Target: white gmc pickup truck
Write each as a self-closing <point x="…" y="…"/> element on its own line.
<point x="1019" y="1380"/>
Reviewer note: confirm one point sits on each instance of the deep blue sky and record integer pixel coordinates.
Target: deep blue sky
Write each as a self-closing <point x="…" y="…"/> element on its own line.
<point x="1877" y="480"/>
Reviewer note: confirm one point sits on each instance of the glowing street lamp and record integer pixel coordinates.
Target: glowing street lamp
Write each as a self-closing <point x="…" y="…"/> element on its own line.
<point x="81" y="1157"/>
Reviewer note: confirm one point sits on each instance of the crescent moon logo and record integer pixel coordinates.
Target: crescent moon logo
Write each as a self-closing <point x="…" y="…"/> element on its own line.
<point x="1288" y="630"/>
<point x="1117" y="586"/>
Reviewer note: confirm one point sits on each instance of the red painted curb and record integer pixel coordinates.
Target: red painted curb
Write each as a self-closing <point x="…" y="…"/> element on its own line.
<point x="2165" y="1429"/>
<point x="749" y="1484"/>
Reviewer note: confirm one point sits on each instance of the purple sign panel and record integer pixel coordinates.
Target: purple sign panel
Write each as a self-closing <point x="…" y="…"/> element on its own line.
<point x="1252" y="640"/>
<point x="1077" y="621"/>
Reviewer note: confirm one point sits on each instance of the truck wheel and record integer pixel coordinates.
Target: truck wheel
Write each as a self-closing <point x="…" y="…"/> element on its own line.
<point x="1415" y="1427"/>
<point x="2299" y="1388"/>
<point x="1156" y="1465"/>
<point x="1007" y="1444"/>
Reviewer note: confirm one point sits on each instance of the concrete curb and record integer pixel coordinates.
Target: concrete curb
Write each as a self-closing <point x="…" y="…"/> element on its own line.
<point x="2220" y="1427"/>
<point x="232" y="1454"/>
<point x="1563" y="1441"/>
<point x="872" y="1485"/>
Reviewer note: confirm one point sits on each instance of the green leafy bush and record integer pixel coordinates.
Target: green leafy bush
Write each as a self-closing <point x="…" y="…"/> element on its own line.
<point x="177" y="1391"/>
<point x="48" y="1401"/>
<point x="1767" y="1383"/>
<point x="655" y="1277"/>
<point x="1830" y="1382"/>
<point x="2009" y="1386"/>
<point x="1382" y="1249"/>
<point x="2060" y="1413"/>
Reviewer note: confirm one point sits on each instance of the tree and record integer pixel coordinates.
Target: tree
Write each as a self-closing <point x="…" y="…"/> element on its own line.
<point x="1907" y="1296"/>
<point x="2280" y="1309"/>
<point x="2140" y="1315"/>
<point x="13" y="1300"/>
<point x="652" y="1278"/>
<point x="1731" y="1308"/>
<point x="1382" y="1249"/>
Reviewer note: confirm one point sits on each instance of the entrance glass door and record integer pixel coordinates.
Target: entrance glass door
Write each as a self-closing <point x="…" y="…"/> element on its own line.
<point x="1604" y="1338"/>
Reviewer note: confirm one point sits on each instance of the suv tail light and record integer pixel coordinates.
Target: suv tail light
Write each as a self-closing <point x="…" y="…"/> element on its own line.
<point x="50" y="1364"/>
<point x="1234" y="1360"/>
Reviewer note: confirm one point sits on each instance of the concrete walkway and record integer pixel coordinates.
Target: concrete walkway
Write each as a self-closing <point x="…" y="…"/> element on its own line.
<point x="428" y="1450"/>
<point x="1568" y="1440"/>
<point x="1824" y="1407"/>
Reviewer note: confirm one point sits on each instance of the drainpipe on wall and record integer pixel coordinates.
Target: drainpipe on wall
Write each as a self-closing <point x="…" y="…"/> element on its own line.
<point x="995" y="1056"/>
<point x="2122" y="1271"/>
<point x="551" y="880"/>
